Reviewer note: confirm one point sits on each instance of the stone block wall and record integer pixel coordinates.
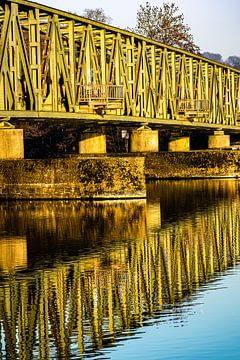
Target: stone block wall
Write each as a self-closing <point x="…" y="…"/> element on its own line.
<point x="73" y="178"/>
<point x="193" y="164"/>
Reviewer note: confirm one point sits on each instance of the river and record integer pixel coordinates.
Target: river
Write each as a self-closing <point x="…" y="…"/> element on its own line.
<point x="156" y="278"/>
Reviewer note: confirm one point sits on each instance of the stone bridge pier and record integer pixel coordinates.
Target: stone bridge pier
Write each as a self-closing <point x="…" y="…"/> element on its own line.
<point x="145" y="139"/>
<point x="93" y="141"/>
<point x="178" y="142"/>
<point x="218" y="140"/>
<point x="11" y="142"/>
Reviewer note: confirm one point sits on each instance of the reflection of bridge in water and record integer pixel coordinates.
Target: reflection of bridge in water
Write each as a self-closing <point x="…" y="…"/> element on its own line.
<point x="132" y="269"/>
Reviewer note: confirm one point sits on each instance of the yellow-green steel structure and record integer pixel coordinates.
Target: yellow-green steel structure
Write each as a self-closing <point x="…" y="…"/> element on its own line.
<point x="58" y="65"/>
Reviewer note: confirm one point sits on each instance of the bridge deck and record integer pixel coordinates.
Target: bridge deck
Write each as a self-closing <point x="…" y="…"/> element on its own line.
<point x="123" y="121"/>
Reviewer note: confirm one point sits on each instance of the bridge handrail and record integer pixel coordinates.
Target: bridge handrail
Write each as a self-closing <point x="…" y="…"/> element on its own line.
<point x="100" y="92"/>
<point x="194" y="105"/>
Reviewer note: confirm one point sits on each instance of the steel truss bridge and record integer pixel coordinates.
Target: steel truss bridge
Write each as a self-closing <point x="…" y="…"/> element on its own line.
<point x="57" y="65"/>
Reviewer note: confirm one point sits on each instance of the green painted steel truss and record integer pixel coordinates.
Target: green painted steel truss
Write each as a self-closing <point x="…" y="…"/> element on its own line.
<point x="56" y="62"/>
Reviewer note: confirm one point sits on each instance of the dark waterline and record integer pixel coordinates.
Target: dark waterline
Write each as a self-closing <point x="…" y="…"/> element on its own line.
<point x="155" y="278"/>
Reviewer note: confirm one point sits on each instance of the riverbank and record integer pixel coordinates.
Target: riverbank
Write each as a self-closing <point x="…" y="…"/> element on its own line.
<point x="73" y="178"/>
<point x="193" y="164"/>
<point x="111" y="176"/>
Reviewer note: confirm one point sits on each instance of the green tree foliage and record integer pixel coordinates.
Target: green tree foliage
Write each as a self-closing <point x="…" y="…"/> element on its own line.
<point x="233" y="61"/>
<point x="166" y="25"/>
<point x="213" y="56"/>
<point x="97" y="14"/>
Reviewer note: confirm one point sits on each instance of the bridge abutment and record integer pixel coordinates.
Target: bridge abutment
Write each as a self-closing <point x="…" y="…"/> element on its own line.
<point x="11" y="142"/>
<point x="218" y="140"/>
<point x="144" y="139"/>
<point x="81" y="177"/>
<point x="93" y="142"/>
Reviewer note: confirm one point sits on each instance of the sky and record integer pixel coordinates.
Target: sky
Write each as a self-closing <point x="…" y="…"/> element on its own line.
<point x="214" y="24"/>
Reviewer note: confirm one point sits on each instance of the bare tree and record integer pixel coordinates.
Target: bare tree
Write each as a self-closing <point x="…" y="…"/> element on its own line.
<point x="97" y="14"/>
<point x="164" y="24"/>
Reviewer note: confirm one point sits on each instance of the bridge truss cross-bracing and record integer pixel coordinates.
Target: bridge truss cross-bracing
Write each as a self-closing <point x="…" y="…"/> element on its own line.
<point x="55" y="64"/>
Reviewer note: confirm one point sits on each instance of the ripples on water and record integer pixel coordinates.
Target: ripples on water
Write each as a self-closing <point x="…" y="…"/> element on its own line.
<point x="79" y="279"/>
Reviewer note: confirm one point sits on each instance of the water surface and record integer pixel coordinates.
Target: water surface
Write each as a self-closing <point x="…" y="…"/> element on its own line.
<point x="156" y="278"/>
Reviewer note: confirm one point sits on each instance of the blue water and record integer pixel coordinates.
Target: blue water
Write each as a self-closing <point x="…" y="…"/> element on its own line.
<point x="209" y="330"/>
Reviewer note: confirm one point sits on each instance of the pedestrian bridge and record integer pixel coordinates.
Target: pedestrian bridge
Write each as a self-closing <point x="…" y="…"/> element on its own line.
<point x="57" y="65"/>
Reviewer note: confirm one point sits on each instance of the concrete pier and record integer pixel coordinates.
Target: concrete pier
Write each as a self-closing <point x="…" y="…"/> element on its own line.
<point x="144" y="139"/>
<point x="11" y="142"/>
<point x="93" y="142"/>
<point x="179" y="143"/>
<point x="219" y="140"/>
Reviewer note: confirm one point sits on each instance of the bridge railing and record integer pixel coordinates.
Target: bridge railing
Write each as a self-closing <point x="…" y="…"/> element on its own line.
<point x="193" y="106"/>
<point x="96" y="95"/>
